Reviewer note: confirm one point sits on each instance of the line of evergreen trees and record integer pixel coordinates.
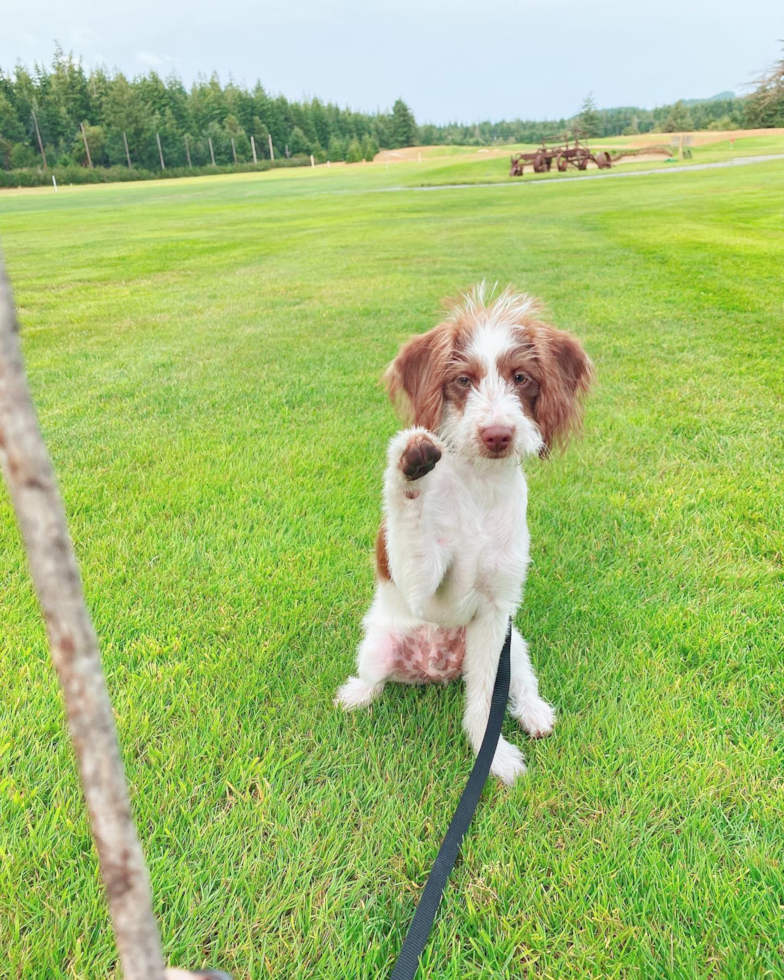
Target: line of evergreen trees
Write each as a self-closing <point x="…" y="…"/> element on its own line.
<point x="63" y="98"/>
<point x="67" y="106"/>
<point x="718" y="114"/>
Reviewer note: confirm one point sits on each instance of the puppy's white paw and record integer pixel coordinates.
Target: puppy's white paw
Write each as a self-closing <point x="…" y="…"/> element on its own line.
<point x="508" y="762"/>
<point x="355" y="693"/>
<point x="537" y="717"/>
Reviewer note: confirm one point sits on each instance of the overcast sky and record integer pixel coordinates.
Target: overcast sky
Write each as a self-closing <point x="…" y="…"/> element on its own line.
<point x="449" y="59"/>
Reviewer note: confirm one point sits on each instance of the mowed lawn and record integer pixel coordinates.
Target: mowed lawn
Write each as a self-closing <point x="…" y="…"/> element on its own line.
<point x="205" y="356"/>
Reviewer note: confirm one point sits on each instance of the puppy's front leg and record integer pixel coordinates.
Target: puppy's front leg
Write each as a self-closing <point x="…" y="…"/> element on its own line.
<point x="535" y="715"/>
<point x="485" y="636"/>
<point x="416" y="507"/>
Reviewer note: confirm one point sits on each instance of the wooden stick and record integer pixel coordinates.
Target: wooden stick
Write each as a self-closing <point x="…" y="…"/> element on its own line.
<point x="40" y="141"/>
<point x="86" y="146"/>
<point x="74" y="646"/>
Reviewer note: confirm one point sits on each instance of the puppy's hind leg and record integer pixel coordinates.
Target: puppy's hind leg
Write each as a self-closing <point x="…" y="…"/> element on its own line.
<point x="372" y="669"/>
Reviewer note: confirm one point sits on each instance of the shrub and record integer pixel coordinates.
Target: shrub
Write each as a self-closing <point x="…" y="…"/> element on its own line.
<point x="725" y="122"/>
<point x="37" y="177"/>
<point x="353" y="151"/>
<point x="369" y="148"/>
<point x="23" y="156"/>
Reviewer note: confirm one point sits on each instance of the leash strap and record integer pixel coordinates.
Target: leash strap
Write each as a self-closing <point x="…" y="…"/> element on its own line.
<point x="422" y="923"/>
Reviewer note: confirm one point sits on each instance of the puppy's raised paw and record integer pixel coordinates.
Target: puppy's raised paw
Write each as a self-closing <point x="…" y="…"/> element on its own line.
<point x="419" y="457"/>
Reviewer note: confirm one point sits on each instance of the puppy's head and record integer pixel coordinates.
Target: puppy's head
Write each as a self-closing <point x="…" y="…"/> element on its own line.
<point x="493" y="379"/>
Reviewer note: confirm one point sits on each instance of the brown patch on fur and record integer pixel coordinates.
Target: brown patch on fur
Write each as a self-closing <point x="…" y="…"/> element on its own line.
<point x="521" y="359"/>
<point x="417" y="379"/>
<point x="382" y="558"/>
<point x="561" y="373"/>
<point x="428" y="655"/>
<point x="462" y="366"/>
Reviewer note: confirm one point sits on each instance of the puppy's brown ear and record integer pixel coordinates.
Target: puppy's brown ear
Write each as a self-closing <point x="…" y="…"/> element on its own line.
<point x="415" y="379"/>
<point x="566" y="376"/>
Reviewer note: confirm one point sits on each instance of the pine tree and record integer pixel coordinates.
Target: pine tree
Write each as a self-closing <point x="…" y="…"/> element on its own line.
<point x="679" y="119"/>
<point x="336" y="149"/>
<point x="94" y="136"/>
<point x="11" y="130"/>
<point x="261" y="137"/>
<point x="589" y="121"/>
<point x="125" y="112"/>
<point x="404" y="127"/>
<point x="353" y="151"/>
<point x="298" y="141"/>
<point x="369" y="148"/>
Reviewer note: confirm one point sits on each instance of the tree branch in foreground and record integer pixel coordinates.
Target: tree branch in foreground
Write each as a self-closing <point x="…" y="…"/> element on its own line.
<point x="74" y="647"/>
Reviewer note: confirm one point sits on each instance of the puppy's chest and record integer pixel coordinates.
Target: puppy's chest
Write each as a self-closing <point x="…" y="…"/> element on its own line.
<point x="488" y="550"/>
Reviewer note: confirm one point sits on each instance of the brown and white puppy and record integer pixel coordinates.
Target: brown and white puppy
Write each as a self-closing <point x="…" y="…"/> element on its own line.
<point x="489" y="386"/>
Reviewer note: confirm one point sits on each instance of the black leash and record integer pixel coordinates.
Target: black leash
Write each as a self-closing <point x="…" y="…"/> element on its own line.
<point x="419" y="930"/>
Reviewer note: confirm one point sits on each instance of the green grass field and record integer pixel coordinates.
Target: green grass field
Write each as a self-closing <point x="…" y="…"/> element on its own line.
<point x="205" y="356"/>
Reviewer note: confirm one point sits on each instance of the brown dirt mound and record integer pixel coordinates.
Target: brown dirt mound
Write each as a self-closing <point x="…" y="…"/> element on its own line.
<point x="644" y="157"/>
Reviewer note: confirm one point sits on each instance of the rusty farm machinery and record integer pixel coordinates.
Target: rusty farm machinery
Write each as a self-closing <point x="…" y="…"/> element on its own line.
<point x="565" y="154"/>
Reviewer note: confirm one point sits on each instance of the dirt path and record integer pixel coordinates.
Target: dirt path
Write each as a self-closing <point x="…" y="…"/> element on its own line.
<point x="735" y="162"/>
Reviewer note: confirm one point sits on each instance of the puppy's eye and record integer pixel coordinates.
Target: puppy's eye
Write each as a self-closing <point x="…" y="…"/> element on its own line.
<point x="521" y="379"/>
<point x="464" y="381"/>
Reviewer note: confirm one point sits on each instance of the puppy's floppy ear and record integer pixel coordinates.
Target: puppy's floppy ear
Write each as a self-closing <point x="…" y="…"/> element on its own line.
<point x="415" y="379"/>
<point x="566" y="376"/>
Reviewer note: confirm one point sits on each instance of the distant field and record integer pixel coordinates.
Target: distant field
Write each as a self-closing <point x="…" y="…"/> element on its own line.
<point x="479" y="165"/>
<point x="449" y="164"/>
<point x="205" y="356"/>
<point x="702" y="138"/>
